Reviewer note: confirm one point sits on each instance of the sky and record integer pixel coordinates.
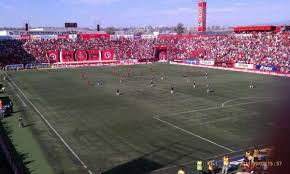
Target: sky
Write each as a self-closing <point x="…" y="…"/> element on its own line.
<point x="124" y="13"/>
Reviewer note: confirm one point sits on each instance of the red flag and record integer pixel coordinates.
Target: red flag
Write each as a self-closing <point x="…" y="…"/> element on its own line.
<point x="81" y="55"/>
<point x="107" y="54"/>
<point x="68" y="56"/>
<point x="94" y="55"/>
<point x="53" y="56"/>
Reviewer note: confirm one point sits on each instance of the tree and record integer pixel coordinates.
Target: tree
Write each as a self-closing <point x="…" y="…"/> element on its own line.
<point x="111" y="30"/>
<point x="179" y="29"/>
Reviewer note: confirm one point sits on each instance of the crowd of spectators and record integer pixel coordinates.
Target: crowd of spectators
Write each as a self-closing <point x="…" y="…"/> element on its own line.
<point x="256" y="48"/>
<point x="12" y="52"/>
<point x="123" y="48"/>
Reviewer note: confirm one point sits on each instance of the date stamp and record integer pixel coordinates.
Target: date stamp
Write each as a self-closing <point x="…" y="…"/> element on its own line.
<point x="268" y="163"/>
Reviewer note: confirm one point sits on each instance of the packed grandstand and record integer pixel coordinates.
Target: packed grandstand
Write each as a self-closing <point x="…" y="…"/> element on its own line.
<point x="267" y="49"/>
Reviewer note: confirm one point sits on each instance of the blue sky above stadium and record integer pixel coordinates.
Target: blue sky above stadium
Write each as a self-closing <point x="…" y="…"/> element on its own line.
<point x="141" y="12"/>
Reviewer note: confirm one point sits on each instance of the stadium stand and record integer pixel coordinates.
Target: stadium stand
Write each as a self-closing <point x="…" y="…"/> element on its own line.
<point x="265" y="48"/>
<point x="257" y="48"/>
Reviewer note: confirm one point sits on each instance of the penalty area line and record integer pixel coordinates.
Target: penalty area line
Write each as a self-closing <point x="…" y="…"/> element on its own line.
<point x="213" y="108"/>
<point x="195" y="135"/>
<point x="49" y="125"/>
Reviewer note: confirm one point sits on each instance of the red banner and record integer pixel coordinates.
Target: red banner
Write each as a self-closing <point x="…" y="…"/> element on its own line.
<point x="93" y="36"/>
<point x="225" y="64"/>
<point x="63" y="36"/>
<point x="107" y="54"/>
<point x="94" y="55"/>
<point x="53" y="56"/>
<point x="81" y="55"/>
<point x="67" y="56"/>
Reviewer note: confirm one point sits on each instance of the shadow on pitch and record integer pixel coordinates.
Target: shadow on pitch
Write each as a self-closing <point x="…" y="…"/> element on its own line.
<point x="137" y="166"/>
<point x="21" y="160"/>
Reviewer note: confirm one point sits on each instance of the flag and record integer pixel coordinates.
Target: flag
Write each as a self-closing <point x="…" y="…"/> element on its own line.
<point x="107" y="55"/>
<point x="53" y="56"/>
<point x="81" y="55"/>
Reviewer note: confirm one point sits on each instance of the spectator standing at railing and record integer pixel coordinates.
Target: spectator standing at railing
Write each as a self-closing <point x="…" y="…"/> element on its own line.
<point x="181" y="171"/>
<point x="226" y="163"/>
<point x="199" y="167"/>
<point x="210" y="165"/>
<point x="256" y="155"/>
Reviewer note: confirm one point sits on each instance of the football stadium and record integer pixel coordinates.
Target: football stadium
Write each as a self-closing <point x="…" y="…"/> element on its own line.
<point x="75" y="100"/>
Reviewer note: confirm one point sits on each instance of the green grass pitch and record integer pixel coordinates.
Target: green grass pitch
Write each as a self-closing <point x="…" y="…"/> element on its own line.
<point x="143" y="129"/>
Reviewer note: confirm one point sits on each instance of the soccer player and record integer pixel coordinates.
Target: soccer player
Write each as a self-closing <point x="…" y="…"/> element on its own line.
<point x="152" y="83"/>
<point x="162" y="76"/>
<point x="11" y="106"/>
<point x="117" y="92"/>
<point x="3" y="90"/>
<point x="98" y="83"/>
<point x="194" y="84"/>
<point x="172" y="90"/>
<point x="206" y="75"/>
<point x="251" y="84"/>
<point x="207" y="89"/>
<point x="20" y="120"/>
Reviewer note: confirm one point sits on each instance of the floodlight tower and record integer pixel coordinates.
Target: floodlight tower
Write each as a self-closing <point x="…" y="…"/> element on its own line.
<point x="201" y="16"/>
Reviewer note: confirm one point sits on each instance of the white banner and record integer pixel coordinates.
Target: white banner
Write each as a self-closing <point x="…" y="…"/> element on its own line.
<point x="244" y="66"/>
<point x="148" y="36"/>
<point x="206" y="62"/>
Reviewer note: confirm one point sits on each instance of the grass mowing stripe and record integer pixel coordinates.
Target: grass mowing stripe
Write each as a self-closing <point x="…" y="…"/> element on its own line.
<point x="195" y="135"/>
<point x="49" y="125"/>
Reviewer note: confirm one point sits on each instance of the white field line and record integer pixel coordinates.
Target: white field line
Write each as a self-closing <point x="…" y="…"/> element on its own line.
<point x="228" y="101"/>
<point x="50" y="126"/>
<point x="195" y="135"/>
<point x="212" y="108"/>
<point x="24" y="104"/>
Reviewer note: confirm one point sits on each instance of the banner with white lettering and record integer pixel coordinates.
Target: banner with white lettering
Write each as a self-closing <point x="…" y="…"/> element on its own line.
<point x="244" y="66"/>
<point x="266" y="68"/>
<point x="206" y="62"/>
